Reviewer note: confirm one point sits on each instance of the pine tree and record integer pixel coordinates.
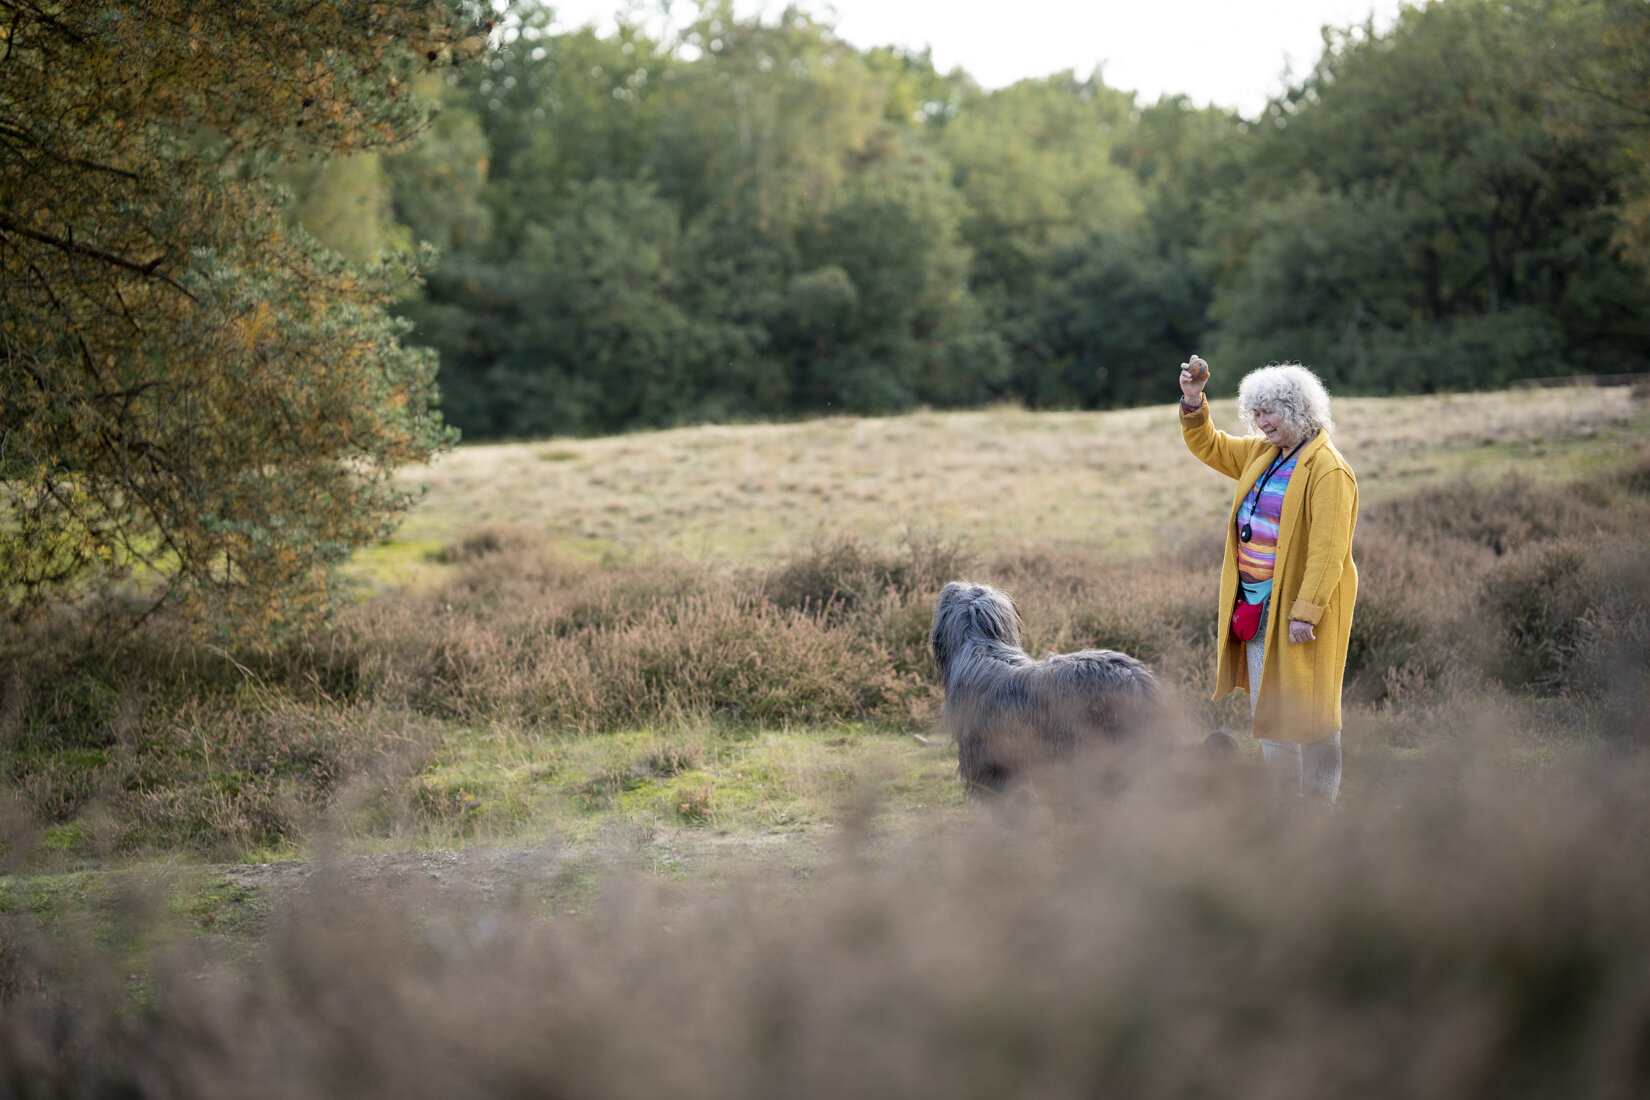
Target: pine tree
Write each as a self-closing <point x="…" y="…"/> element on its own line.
<point x="191" y="392"/>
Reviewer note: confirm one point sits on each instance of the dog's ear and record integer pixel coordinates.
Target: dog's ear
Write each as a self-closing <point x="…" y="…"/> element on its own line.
<point x="1014" y="630"/>
<point x="938" y="636"/>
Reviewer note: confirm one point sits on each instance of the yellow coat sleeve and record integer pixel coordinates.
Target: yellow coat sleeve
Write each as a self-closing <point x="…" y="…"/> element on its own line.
<point x="1332" y="500"/>
<point x="1213" y="447"/>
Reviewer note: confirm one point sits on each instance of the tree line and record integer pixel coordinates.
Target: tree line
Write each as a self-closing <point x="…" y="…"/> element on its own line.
<point x="755" y="218"/>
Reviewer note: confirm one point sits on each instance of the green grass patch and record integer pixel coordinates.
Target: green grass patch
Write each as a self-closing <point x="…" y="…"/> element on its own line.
<point x="481" y="784"/>
<point x="502" y="786"/>
<point x="396" y="563"/>
<point x="209" y="903"/>
<point x="136" y="911"/>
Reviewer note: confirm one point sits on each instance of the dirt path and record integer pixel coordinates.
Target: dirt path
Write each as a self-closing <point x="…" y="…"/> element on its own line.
<point x="557" y="878"/>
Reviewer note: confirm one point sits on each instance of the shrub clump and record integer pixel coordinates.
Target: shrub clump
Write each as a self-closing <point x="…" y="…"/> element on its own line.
<point x="164" y="747"/>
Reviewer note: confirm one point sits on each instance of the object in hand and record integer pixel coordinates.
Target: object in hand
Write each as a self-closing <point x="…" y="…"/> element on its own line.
<point x="1199" y="369"/>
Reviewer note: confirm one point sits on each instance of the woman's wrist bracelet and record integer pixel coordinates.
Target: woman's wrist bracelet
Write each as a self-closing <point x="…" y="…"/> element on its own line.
<point x="1191" y="406"/>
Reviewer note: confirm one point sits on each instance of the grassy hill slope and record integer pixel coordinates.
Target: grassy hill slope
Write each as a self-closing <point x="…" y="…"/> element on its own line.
<point x="1000" y="477"/>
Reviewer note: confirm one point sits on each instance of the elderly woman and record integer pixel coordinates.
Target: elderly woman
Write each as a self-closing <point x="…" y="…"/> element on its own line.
<point x="1288" y="583"/>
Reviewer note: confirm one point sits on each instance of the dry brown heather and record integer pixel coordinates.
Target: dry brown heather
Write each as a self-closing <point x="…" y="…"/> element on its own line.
<point x="1473" y="921"/>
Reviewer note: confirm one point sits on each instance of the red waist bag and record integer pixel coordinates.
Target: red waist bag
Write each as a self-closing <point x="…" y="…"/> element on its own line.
<point x="1246" y="619"/>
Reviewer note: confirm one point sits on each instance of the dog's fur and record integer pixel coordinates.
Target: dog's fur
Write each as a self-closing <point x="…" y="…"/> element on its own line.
<point x="1007" y="712"/>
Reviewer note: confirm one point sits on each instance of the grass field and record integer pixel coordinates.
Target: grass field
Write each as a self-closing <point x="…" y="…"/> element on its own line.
<point x="999" y="478"/>
<point x="649" y="722"/>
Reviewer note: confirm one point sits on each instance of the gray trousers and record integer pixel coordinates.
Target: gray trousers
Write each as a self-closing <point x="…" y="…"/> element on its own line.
<point x="1312" y="769"/>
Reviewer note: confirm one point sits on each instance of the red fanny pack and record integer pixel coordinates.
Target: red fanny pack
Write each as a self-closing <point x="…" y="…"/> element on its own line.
<point x="1246" y="619"/>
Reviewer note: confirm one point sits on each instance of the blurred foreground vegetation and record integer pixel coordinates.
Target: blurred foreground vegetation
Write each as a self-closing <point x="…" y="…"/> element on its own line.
<point x="1478" y="930"/>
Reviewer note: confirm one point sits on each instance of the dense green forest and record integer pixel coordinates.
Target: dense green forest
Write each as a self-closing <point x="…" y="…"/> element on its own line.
<point x="755" y="218"/>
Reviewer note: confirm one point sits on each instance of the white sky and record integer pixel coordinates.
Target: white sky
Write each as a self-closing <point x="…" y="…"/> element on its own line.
<point x="1229" y="52"/>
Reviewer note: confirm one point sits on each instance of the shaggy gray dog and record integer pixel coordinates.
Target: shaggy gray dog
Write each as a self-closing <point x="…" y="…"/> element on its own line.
<point x="1008" y="712"/>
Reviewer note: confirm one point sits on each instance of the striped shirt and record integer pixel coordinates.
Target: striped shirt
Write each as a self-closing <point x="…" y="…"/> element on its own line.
<point x="1258" y="555"/>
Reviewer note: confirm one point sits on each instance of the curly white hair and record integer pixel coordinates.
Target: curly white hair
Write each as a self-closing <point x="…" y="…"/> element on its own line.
<point x="1290" y="392"/>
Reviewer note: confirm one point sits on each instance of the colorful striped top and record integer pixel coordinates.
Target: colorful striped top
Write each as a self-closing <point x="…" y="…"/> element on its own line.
<point x="1258" y="555"/>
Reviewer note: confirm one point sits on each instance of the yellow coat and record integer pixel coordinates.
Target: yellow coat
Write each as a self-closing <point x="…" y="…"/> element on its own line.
<point x="1314" y="578"/>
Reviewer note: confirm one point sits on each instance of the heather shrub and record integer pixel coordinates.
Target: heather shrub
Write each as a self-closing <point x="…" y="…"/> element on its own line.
<point x="1534" y="603"/>
<point x="160" y="768"/>
<point x="1506" y="514"/>
<point x="1414" y="588"/>
<point x="158" y="743"/>
<point x="1635" y="478"/>
<point x="884" y="595"/>
<point x="487" y="542"/>
<point x="1387" y="636"/>
<point x="838" y="575"/>
<point x="1494" y="578"/>
<point x="1159" y="610"/>
<point x="605" y="649"/>
<point x="1607" y="652"/>
<point x="725" y="653"/>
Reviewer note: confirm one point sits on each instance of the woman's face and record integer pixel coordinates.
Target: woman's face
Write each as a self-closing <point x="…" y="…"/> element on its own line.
<point x="1271" y="426"/>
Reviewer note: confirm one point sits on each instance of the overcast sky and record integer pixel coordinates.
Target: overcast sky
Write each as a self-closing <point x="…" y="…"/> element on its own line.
<point x="1229" y="52"/>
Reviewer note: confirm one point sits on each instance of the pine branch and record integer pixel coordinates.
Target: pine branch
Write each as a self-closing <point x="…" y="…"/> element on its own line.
<point x="150" y="270"/>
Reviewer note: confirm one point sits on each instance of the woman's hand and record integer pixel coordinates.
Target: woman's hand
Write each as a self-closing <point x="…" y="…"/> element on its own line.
<point x="1194" y="375"/>
<point x="1301" y="631"/>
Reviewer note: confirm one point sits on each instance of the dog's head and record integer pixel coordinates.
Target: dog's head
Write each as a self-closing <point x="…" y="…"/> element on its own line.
<point x="968" y="614"/>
